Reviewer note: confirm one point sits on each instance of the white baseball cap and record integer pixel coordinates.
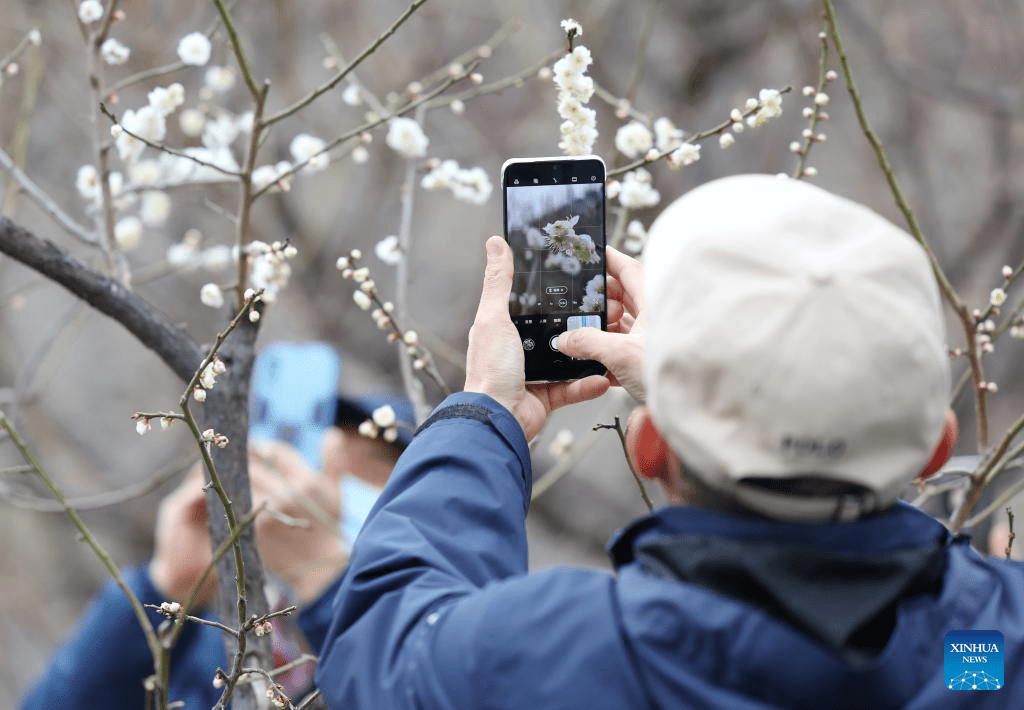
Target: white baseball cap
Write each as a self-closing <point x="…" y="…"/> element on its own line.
<point x="793" y="333"/>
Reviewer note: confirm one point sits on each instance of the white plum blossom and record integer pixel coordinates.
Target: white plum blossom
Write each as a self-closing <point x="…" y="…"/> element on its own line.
<point x="360" y="155"/>
<point x="467" y="184"/>
<point x="179" y="170"/>
<point x="636" y="191"/>
<point x="579" y="127"/>
<point x="352" y="95"/>
<point x="406" y="137"/>
<point x="142" y="425"/>
<point x="147" y="123"/>
<point x="562" y="444"/>
<point x="384" y="416"/>
<point x="568" y="263"/>
<point x="571" y="26"/>
<point x="144" y="172"/>
<point x="191" y="121"/>
<point x="219" y="79"/>
<point x="90" y="11"/>
<point x="535" y="238"/>
<point x="87" y="182"/>
<point x="113" y="52"/>
<point x="269" y="174"/>
<point x="633" y="139"/>
<point x="636" y="237"/>
<point x="389" y="250"/>
<point x="726" y="140"/>
<point x="128" y="232"/>
<point x="211" y="295"/>
<point x="362" y="300"/>
<point x="594" y="296"/>
<point x="997" y="297"/>
<point x="165" y="99"/>
<point x="268" y="268"/>
<point x="685" y="154"/>
<point x="666" y="136"/>
<point x="768" y="104"/>
<point x="156" y="208"/>
<point x="310" y="150"/>
<point x="561" y="238"/>
<point x="194" y="49"/>
<point x="220" y="132"/>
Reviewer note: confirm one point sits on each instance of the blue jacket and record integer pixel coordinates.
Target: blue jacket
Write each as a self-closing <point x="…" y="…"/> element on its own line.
<point x="436" y="609"/>
<point x="105" y="660"/>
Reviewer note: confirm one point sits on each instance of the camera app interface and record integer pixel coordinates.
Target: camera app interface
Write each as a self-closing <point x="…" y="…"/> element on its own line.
<point x="557" y="237"/>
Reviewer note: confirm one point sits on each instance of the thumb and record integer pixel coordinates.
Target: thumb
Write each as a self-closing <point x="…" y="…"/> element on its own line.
<point x="497" y="282"/>
<point x="621" y="353"/>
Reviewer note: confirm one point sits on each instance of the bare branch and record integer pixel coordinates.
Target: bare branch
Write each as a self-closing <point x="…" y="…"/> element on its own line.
<point x="172" y="344"/>
<point x="46" y="203"/>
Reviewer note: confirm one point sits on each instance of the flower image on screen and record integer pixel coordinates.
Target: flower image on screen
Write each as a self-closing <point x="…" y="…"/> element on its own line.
<point x="557" y="238"/>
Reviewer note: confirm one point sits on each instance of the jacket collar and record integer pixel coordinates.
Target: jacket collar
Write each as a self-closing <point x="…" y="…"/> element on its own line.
<point x="840" y="583"/>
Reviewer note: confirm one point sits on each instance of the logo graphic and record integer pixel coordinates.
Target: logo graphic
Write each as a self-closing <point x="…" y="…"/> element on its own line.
<point x="973" y="660"/>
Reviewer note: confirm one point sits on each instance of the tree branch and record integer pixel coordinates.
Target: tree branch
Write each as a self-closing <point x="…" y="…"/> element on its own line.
<point x="172" y="344"/>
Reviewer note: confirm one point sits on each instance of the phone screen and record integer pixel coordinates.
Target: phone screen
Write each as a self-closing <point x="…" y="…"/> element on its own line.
<point x="555" y="225"/>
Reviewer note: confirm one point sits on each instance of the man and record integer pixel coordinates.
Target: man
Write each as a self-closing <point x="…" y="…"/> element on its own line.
<point x="792" y="363"/>
<point x="105" y="661"/>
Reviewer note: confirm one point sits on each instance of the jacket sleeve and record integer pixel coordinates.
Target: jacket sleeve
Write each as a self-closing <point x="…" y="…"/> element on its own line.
<point x="450" y="521"/>
<point x="105" y="660"/>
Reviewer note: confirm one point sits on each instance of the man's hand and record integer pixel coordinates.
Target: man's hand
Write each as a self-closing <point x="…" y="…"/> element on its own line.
<point x="621" y="348"/>
<point x="495" y="363"/>
<point x="182" y="551"/>
<point x="298" y="532"/>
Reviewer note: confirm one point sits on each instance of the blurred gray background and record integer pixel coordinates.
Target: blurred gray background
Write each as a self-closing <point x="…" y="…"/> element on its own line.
<point x="941" y="81"/>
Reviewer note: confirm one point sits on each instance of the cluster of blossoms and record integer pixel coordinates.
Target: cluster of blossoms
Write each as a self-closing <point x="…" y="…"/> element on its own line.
<point x="143" y="422"/>
<point x="209" y="436"/>
<point x="814" y="114"/>
<point x="208" y="378"/>
<point x="635" y="139"/>
<point x="467" y="184"/>
<point x="560" y="238"/>
<point x="368" y="298"/>
<point x="383" y="422"/>
<point x="277" y="696"/>
<point x="635" y="190"/>
<point x="636" y="237"/>
<point x="575" y="88"/>
<point x="263" y="628"/>
<point x="269" y="269"/>
<point x="170" y="609"/>
<point x="593" y="298"/>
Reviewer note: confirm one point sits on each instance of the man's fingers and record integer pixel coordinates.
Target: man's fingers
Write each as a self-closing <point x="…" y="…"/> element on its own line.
<point x="588" y="344"/>
<point x="497" y="282"/>
<point x="627" y="271"/>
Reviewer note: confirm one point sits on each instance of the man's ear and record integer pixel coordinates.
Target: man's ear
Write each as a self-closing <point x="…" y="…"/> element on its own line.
<point x="944" y="449"/>
<point x="648" y="451"/>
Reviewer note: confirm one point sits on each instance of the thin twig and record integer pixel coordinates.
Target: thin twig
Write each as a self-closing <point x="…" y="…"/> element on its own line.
<point x="641" y="53"/>
<point x="236" y="46"/>
<point x="46" y="203"/>
<point x="812" y="136"/>
<point x="341" y="74"/>
<point x="617" y="427"/>
<point x="167" y="149"/>
<point x="1012" y="535"/>
<point x="245" y="196"/>
<point x="140" y="613"/>
<point x="695" y="138"/>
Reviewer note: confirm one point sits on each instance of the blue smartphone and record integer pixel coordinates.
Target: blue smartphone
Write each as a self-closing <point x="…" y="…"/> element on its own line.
<point x="293" y="397"/>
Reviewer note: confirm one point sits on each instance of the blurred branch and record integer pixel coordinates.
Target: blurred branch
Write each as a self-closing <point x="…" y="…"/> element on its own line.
<point x="641" y="54"/>
<point x="140" y="613"/>
<point x="174" y="346"/>
<point x="967" y="321"/>
<point x="46" y="203"/>
<point x="617" y="427"/>
<point x="100" y="500"/>
<point x="341" y="74"/>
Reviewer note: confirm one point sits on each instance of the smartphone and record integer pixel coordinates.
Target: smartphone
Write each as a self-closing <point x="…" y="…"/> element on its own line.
<point x="554" y="215"/>
<point x="293" y="397"/>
